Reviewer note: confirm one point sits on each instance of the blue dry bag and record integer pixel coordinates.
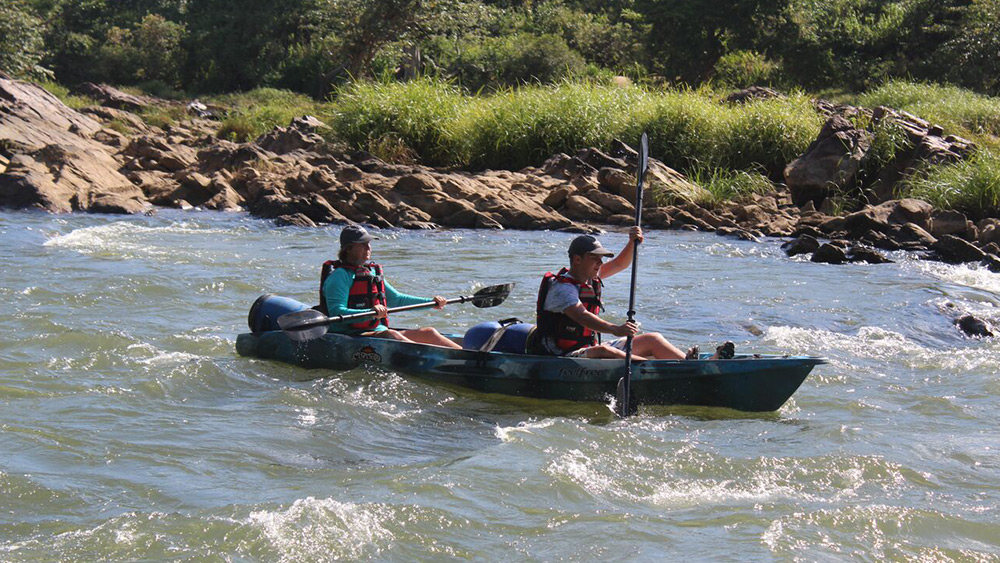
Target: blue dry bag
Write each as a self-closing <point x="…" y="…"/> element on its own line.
<point x="509" y="335"/>
<point x="267" y="308"/>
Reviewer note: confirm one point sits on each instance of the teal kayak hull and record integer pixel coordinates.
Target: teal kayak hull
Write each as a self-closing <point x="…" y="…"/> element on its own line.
<point x="753" y="383"/>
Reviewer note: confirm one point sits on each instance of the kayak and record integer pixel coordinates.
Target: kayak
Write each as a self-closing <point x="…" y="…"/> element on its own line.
<point x="747" y="382"/>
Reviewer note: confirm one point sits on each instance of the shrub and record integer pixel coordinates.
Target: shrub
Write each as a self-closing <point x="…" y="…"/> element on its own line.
<point x="740" y="69"/>
<point x="517" y="59"/>
<point x="149" y="51"/>
<point x="256" y="112"/>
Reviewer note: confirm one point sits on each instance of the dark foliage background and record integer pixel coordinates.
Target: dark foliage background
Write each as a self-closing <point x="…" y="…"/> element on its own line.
<point x="313" y="46"/>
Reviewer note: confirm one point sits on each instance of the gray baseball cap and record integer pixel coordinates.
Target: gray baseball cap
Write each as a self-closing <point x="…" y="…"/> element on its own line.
<point x="586" y="244"/>
<point x="354" y="233"/>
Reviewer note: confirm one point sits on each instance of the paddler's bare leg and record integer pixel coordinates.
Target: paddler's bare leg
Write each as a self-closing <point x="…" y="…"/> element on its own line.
<point x="426" y="335"/>
<point x="429" y="335"/>
<point x="654" y="345"/>
<point x="607" y="352"/>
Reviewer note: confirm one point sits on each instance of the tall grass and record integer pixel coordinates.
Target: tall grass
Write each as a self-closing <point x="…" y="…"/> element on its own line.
<point x="415" y="115"/>
<point x="256" y="112"/>
<point x="971" y="186"/>
<point x="692" y="130"/>
<point x="729" y="185"/>
<point x="524" y="126"/>
<point x="959" y="111"/>
<point x="769" y="133"/>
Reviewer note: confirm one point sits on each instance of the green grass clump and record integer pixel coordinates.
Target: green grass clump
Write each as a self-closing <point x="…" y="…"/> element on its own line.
<point x="163" y="116"/>
<point x="768" y="133"/>
<point x="391" y="119"/>
<point x="71" y="100"/>
<point x="729" y="185"/>
<point x="256" y="112"/>
<point x="957" y="110"/>
<point x="524" y="126"/>
<point x="971" y="186"/>
<point x="692" y="130"/>
<point x="684" y="128"/>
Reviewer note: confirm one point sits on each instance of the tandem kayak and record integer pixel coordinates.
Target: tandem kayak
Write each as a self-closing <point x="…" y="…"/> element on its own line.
<point x="747" y="382"/>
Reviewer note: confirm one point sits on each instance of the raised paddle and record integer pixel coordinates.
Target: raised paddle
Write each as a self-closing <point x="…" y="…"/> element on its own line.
<point x="625" y="384"/>
<point x="310" y="323"/>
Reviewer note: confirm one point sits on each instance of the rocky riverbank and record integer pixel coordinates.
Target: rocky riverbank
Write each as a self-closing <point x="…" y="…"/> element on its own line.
<point x="62" y="160"/>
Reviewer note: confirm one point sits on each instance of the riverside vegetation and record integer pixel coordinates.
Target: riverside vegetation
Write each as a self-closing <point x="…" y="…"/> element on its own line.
<point x="730" y="149"/>
<point x="489" y="115"/>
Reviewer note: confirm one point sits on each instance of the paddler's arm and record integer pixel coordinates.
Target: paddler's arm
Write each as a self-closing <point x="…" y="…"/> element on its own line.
<point x="624" y="258"/>
<point x="397" y="299"/>
<point x="584" y="317"/>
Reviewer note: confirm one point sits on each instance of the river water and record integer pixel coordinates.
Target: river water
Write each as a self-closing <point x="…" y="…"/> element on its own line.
<point x="131" y="430"/>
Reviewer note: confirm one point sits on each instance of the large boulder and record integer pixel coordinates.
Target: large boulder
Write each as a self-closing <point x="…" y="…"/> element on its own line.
<point x="831" y="162"/>
<point x="954" y="250"/>
<point x="64" y="178"/>
<point x="951" y="222"/>
<point x="32" y="118"/>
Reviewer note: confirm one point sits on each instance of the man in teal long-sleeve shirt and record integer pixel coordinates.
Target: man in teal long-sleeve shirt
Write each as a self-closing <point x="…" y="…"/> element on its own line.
<point x="353" y="284"/>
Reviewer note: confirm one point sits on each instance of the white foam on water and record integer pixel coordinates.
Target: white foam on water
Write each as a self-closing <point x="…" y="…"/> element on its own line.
<point x="324" y="529"/>
<point x="763" y="488"/>
<point x="131" y="239"/>
<point x="508" y="434"/>
<point x="583" y="470"/>
<point x="873" y="532"/>
<point x="121" y="530"/>
<point x="387" y="395"/>
<point x="306" y="417"/>
<point x="168" y="358"/>
<point x="875" y="343"/>
<point x="973" y="276"/>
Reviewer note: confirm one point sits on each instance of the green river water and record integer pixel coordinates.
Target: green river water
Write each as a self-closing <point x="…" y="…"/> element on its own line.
<point x="131" y="431"/>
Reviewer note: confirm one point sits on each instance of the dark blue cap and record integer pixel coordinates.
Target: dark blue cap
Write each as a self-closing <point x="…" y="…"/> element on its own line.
<point x="354" y="233"/>
<point x="586" y="244"/>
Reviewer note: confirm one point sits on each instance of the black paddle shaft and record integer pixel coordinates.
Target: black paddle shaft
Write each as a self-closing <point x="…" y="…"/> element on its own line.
<point x="640" y="173"/>
<point x="310" y="318"/>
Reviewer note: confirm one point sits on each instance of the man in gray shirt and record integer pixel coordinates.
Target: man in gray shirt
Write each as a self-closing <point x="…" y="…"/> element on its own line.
<point x="570" y="301"/>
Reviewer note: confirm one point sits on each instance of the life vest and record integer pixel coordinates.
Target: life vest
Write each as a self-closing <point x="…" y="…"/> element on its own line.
<point x="367" y="291"/>
<point x="568" y="334"/>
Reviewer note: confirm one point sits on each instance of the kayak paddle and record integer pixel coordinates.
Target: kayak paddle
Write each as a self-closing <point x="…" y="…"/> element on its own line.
<point x="625" y="384"/>
<point x="310" y="323"/>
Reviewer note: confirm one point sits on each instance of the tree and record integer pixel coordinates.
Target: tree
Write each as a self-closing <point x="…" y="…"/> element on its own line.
<point x="687" y="37"/>
<point x="21" y="40"/>
<point x="240" y="44"/>
<point x="970" y="58"/>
